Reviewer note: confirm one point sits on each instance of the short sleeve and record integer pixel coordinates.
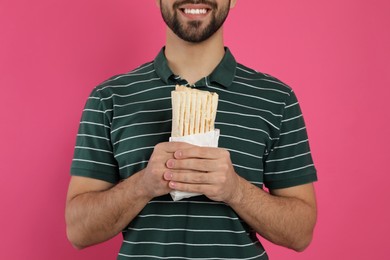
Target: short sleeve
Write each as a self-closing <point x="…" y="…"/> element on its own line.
<point x="289" y="162"/>
<point x="93" y="154"/>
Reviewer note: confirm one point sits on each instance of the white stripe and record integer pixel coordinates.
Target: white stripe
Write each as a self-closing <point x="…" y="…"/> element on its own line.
<point x="248" y="115"/>
<point x="132" y="164"/>
<point x="141" y="112"/>
<point x="269" y="89"/>
<point x="248" y="168"/>
<point x="288" y="145"/>
<point x="294" y="104"/>
<point x="187" y="216"/>
<point x="97" y="111"/>
<point x="132" y="73"/>
<point x="136" y="93"/>
<point x="141" y="102"/>
<point x="188" y="258"/>
<point x="280" y="83"/>
<point x="292" y="170"/>
<point x="241" y="67"/>
<point x="140" y="136"/>
<point x="246" y="95"/>
<point x="92" y="123"/>
<point x="207" y="83"/>
<point x="294" y="131"/>
<point x="93" y="149"/>
<point x="249" y="72"/>
<point x="94" y="136"/>
<point x="142" y="67"/>
<point x="90" y="161"/>
<point x="254" y="108"/>
<point x="187" y="230"/>
<point x="290" y="119"/>
<point x="128" y="85"/>
<point x="145" y="123"/>
<point x="134" y="150"/>
<point x="268" y="76"/>
<point x="188" y="244"/>
<point x="93" y="110"/>
<point x="188" y="202"/>
<point x="94" y="98"/>
<point x="248" y="128"/>
<point x="288" y="158"/>
<point x="241" y="139"/>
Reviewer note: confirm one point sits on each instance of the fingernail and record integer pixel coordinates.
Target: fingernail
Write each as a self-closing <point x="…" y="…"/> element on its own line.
<point x="172" y="184"/>
<point x="168" y="176"/>
<point x="178" y="154"/>
<point x="170" y="163"/>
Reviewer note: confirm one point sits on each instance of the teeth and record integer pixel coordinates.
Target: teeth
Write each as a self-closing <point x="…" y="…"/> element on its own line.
<point x="195" y="11"/>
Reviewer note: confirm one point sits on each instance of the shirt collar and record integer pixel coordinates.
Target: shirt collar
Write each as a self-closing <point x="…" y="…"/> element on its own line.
<point x="223" y="74"/>
<point x="161" y="67"/>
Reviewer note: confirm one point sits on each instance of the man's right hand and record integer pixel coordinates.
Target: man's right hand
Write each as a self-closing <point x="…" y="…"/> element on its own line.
<point x="151" y="178"/>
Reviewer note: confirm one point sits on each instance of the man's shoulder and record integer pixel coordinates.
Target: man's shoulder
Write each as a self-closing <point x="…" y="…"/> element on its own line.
<point x="142" y="72"/>
<point x="247" y="75"/>
<point x="119" y="83"/>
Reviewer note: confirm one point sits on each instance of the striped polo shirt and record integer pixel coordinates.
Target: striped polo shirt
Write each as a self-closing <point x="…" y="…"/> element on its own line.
<point x="261" y="125"/>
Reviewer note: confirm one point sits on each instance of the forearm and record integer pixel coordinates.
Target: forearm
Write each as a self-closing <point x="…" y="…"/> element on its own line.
<point x="97" y="216"/>
<point x="285" y="221"/>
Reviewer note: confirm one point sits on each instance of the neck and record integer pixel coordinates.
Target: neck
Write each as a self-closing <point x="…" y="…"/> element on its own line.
<point x="193" y="61"/>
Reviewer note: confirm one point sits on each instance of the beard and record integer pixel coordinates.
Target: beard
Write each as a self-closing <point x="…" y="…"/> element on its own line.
<point x="195" y="31"/>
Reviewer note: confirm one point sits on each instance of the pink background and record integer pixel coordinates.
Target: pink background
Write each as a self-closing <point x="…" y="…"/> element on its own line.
<point x="335" y="54"/>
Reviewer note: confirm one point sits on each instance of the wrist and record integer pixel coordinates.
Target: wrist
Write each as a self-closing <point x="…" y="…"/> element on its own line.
<point x="239" y="193"/>
<point x="137" y="188"/>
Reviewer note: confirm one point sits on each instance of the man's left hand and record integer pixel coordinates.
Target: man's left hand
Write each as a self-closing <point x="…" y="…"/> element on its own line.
<point x="204" y="170"/>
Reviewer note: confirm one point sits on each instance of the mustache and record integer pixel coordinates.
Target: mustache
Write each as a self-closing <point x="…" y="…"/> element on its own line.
<point x="212" y="4"/>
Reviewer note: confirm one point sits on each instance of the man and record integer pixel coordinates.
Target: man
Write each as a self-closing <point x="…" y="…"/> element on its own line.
<point x="124" y="168"/>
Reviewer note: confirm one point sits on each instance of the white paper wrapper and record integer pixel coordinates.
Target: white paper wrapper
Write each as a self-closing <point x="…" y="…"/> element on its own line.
<point x="209" y="139"/>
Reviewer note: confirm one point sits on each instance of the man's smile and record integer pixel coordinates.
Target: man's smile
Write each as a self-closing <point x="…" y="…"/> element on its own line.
<point x="196" y="11"/>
